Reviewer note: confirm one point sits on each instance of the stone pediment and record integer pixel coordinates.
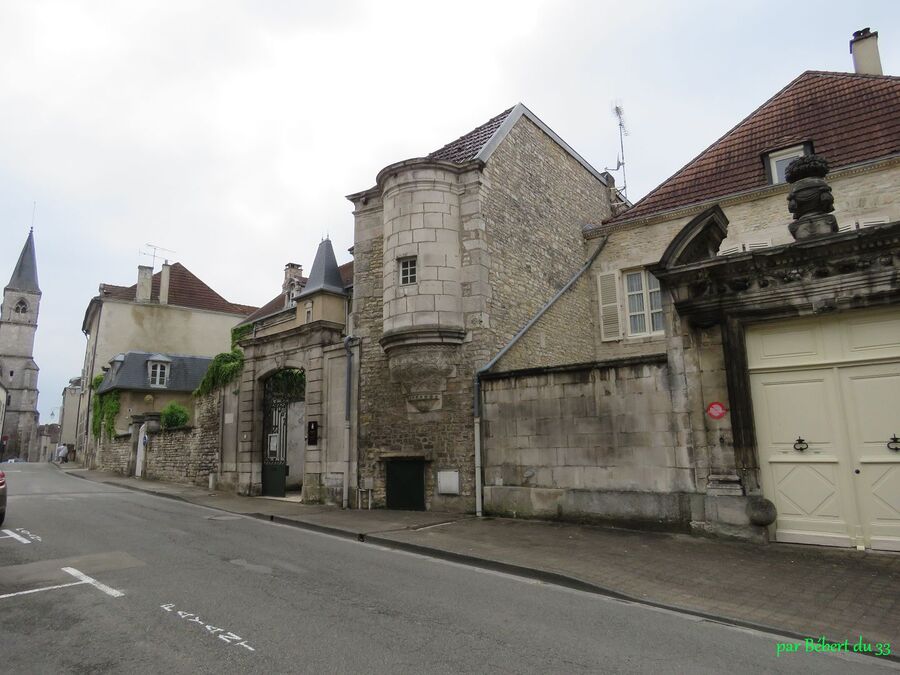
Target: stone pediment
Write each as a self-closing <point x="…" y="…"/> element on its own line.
<point x="846" y="269"/>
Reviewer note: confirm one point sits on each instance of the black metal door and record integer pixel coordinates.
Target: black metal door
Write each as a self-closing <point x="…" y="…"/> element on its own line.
<point x="406" y="484"/>
<point x="280" y="390"/>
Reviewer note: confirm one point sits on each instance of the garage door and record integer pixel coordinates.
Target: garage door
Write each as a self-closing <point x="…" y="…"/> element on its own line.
<point x="826" y="400"/>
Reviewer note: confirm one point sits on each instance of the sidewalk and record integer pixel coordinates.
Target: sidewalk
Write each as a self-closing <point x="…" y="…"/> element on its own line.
<point x="800" y="590"/>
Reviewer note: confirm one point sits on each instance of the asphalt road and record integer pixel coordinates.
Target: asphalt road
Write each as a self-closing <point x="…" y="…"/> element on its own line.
<point x="149" y="585"/>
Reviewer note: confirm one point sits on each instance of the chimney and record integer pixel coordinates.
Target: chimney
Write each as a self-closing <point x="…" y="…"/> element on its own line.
<point x="144" y="284"/>
<point x="864" y="48"/>
<point x="164" y="283"/>
<point x="293" y="273"/>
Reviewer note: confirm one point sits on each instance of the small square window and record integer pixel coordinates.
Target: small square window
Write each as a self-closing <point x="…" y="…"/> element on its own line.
<point x="407" y="271"/>
<point x="777" y="162"/>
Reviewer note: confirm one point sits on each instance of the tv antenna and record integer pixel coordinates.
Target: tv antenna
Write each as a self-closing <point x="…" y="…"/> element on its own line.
<point x="618" y="112"/>
<point x="155" y="253"/>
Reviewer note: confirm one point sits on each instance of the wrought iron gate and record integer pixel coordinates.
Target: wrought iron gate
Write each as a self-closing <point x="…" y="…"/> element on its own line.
<point x="280" y="390"/>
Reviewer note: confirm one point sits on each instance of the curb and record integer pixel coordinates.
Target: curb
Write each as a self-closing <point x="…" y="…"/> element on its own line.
<point x="543" y="576"/>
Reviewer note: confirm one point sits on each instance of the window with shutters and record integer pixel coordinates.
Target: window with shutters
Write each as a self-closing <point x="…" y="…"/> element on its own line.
<point x="610" y="322"/>
<point x="643" y="303"/>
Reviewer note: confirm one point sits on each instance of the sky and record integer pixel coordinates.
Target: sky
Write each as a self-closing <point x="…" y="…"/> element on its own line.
<point x="230" y="132"/>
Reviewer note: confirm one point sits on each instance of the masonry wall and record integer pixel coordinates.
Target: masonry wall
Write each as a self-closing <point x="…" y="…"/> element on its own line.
<point x="114" y="454"/>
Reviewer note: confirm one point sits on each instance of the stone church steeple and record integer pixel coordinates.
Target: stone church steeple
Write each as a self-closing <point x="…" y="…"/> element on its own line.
<point x="18" y="371"/>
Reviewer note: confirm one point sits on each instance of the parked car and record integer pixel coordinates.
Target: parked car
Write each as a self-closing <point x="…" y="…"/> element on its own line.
<point x="2" y="497"/>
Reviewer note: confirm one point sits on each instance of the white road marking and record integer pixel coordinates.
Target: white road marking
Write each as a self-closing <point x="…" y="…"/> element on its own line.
<point x="226" y="636"/>
<point x="15" y="536"/>
<point x="93" y="582"/>
<point x="38" y="590"/>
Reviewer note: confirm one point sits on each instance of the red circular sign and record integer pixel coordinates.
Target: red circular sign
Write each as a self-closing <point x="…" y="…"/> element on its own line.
<point x="716" y="410"/>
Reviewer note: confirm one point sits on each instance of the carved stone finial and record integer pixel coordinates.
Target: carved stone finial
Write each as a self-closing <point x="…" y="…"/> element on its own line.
<point x="810" y="199"/>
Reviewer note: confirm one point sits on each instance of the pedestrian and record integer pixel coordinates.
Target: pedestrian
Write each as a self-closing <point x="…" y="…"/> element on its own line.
<point x="62" y="453"/>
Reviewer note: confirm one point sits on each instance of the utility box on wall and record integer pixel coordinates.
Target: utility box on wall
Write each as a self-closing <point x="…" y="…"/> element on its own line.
<point x="448" y="482"/>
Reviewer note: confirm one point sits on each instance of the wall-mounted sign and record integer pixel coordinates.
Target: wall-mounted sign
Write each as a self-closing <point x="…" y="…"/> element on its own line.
<point x="716" y="410"/>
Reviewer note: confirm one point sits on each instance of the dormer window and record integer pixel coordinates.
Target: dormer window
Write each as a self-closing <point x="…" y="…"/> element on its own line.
<point x="21" y="307"/>
<point x="159" y="373"/>
<point x="776" y="162"/>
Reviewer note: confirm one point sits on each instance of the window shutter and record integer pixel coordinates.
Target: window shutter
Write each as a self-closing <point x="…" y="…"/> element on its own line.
<point x="729" y="250"/>
<point x="757" y="245"/>
<point x="610" y="322"/>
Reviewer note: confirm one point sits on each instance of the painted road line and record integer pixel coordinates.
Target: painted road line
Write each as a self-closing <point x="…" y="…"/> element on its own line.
<point x="93" y="582"/>
<point x="13" y="535"/>
<point x="39" y="590"/>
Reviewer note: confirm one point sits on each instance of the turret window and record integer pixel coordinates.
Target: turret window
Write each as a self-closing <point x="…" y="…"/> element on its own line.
<point x="21" y="307"/>
<point x="407" y="271"/>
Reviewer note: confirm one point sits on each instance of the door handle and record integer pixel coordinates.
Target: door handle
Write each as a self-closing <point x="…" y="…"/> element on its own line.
<point x="800" y="445"/>
<point x="894" y="443"/>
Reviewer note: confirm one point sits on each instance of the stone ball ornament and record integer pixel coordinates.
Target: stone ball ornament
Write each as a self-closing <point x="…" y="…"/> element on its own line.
<point x="810" y="199"/>
<point x="761" y="511"/>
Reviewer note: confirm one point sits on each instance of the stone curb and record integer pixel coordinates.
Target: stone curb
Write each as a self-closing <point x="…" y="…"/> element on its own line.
<point x="544" y="576"/>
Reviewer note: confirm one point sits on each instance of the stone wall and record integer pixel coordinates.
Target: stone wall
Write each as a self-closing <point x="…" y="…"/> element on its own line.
<point x="607" y="443"/>
<point x="114" y="454"/>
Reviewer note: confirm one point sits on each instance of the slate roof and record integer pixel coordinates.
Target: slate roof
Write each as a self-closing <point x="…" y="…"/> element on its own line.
<point x="185" y="290"/>
<point x="276" y="304"/>
<point x="849" y="118"/>
<point x="324" y="275"/>
<point x="466" y="147"/>
<point x="185" y="372"/>
<point x="24" y="276"/>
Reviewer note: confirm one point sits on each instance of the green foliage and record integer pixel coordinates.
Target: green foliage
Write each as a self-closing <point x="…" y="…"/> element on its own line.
<point x="103" y="415"/>
<point x="238" y="333"/>
<point x="174" y="415"/>
<point x="224" y="369"/>
<point x="97" y="381"/>
<point x="286" y="386"/>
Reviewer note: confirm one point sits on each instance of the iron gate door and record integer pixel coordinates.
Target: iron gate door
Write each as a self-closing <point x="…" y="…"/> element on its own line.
<point x="406" y="484"/>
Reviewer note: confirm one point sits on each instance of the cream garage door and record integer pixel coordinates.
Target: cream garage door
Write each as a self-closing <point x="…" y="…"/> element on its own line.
<point x="833" y="382"/>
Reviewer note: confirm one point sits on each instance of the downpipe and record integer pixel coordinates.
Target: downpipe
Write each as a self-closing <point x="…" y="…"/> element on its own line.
<point x="348" y="348"/>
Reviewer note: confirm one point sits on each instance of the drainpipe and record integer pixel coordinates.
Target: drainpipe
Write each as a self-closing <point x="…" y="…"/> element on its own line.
<point x="348" y="347"/>
<point x="476" y="389"/>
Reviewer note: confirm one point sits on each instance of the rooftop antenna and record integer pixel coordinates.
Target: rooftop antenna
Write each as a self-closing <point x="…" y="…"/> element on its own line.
<point x="155" y="254"/>
<point x="619" y="112"/>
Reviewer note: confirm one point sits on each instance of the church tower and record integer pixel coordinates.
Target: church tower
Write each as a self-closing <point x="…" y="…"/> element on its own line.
<point x="18" y="371"/>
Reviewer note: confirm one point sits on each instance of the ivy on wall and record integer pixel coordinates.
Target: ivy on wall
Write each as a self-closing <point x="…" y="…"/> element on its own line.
<point x="104" y="412"/>
<point x="225" y="368"/>
<point x="238" y="333"/>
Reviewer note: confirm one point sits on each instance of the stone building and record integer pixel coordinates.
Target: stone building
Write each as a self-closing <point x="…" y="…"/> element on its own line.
<point x="278" y="436"/>
<point x="68" y="416"/>
<point x="453" y="253"/>
<point x="19" y="372"/>
<point x="711" y="355"/>
<point x="170" y="312"/>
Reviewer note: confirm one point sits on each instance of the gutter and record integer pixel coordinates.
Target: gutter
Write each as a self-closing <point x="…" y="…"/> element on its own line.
<point x="476" y="402"/>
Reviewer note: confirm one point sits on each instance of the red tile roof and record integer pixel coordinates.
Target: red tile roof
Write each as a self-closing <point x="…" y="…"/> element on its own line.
<point x="466" y="147"/>
<point x="185" y="290"/>
<point x="849" y="118"/>
<point x="276" y="304"/>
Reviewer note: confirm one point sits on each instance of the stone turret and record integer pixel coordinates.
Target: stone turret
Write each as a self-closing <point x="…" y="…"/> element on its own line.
<point x="323" y="298"/>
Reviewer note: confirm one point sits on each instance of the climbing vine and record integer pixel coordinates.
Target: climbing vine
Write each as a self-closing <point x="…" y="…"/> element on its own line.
<point x="225" y="368"/>
<point x="238" y="333"/>
<point x="286" y="386"/>
<point x="105" y="410"/>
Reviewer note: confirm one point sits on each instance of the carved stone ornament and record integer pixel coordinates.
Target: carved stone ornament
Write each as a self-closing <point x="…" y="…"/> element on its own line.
<point x="810" y="199"/>
<point x="422" y="372"/>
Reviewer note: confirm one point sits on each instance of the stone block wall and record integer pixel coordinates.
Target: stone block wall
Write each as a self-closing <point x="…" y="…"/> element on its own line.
<point x="114" y="454"/>
<point x="605" y="442"/>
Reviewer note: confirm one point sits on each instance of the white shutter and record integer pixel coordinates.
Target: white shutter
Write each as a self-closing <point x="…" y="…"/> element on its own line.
<point x="610" y="321"/>
<point x="756" y="245"/>
<point x="730" y="249"/>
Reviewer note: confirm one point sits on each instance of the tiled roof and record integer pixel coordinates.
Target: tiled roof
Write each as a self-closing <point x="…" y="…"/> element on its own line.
<point x="465" y="148"/>
<point x="848" y="118"/>
<point x="185" y="290"/>
<point x="24" y="276"/>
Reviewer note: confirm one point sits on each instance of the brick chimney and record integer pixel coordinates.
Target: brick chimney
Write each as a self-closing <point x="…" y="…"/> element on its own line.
<point x="864" y="48"/>
<point x="164" y="283"/>
<point x="144" y="284"/>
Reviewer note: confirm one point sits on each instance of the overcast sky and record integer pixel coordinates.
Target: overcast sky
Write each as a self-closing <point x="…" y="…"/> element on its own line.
<point x="230" y="132"/>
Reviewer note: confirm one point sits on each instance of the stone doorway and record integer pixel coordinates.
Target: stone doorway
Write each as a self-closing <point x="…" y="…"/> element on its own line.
<point x="284" y="394"/>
